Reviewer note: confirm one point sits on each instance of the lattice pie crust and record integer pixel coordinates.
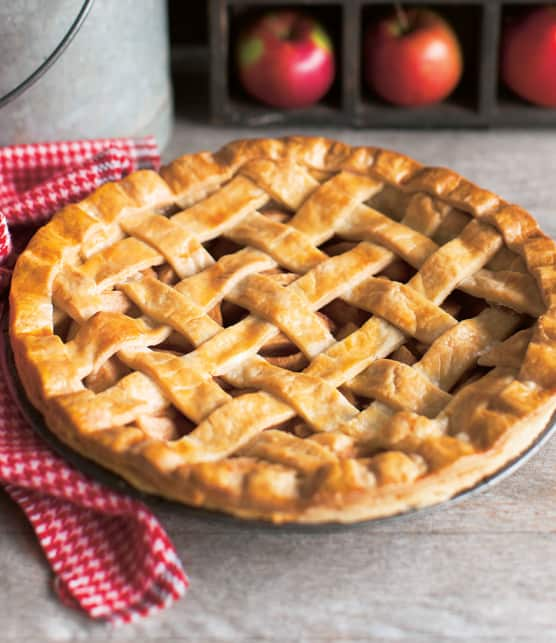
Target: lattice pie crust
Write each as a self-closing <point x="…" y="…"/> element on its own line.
<point x="292" y="330"/>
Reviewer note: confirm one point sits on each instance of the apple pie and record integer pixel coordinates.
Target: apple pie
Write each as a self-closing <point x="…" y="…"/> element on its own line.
<point x="292" y="330"/>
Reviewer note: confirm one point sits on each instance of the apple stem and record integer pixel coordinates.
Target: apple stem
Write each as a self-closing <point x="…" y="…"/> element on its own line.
<point x="402" y="17"/>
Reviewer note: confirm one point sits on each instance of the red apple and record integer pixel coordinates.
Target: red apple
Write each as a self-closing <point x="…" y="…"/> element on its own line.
<point x="285" y="59"/>
<point x="412" y="58"/>
<point x="529" y="56"/>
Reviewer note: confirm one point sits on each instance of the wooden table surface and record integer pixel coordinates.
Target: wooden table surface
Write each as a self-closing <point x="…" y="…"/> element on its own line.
<point x="483" y="569"/>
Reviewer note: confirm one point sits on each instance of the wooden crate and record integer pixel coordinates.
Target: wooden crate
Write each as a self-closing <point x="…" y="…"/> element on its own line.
<point x="480" y="100"/>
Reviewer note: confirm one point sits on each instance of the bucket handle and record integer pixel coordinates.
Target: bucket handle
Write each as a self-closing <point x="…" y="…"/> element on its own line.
<point x="52" y="58"/>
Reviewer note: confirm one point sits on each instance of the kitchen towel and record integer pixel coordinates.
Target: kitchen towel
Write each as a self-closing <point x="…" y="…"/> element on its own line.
<point x="109" y="554"/>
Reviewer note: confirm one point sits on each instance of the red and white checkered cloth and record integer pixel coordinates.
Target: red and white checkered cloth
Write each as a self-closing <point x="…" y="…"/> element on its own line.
<point x="110" y="555"/>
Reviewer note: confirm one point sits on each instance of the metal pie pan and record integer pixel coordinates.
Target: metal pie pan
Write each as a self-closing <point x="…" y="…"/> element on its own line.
<point x="114" y="481"/>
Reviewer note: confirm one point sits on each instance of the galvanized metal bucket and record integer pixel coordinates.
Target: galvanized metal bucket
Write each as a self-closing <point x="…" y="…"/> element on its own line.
<point x="112" y="80"/>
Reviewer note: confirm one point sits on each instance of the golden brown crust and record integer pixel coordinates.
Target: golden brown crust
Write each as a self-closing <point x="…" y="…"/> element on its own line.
<point x="425" y="437"/>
